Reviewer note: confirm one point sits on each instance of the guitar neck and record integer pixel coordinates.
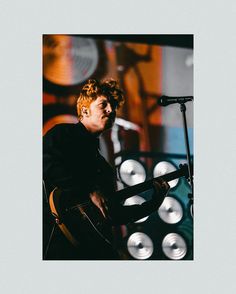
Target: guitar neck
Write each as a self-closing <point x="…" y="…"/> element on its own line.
<point x="139" y="188"/>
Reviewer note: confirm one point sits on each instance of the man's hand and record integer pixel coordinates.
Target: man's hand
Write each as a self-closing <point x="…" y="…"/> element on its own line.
<point x="98" y="200"/>
<point x="161" y="188"/>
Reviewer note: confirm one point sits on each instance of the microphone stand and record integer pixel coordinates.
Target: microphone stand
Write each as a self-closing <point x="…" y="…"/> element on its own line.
<point x="183" y="110"/>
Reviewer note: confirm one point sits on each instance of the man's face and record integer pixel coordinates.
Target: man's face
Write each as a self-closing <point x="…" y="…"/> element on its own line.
<point x="101" y="115"/>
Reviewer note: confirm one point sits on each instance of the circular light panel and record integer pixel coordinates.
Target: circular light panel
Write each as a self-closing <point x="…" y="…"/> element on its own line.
<point x="191" y="210"/>
<point x="165" y="167"/>
<point x="174" y="246"/>
<point x="136" y="200"/>
<point x="58" y="119"/>
<point x="140" y="246"/>
<point x="171" y="210"/>
<point x="132" y="172"/>
<point x="68" y="60"/>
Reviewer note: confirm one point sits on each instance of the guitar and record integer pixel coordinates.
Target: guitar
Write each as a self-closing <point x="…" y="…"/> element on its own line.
<point x="71" y="220"/>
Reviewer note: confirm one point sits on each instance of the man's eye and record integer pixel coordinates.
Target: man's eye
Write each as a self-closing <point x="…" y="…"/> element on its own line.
<point x="103" y="105"/>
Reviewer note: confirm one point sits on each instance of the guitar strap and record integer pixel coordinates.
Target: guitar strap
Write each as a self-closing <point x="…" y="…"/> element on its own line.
<point x="54" y="200"/>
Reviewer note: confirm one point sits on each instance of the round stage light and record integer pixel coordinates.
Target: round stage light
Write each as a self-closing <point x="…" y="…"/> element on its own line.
<point x="140" y="246"/>
<point x="170" y="211"/>
<point x="69" y="60"/>
<point x="165" y="167"/>
<point x="136" y="200"/>
<point x="132" y="172"/>
<point x="191" y="209"/>
<point x="174" y="246"/>
<point x="58" y="119"/>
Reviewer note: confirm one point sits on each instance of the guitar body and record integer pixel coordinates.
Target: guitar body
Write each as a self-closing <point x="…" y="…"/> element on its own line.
<point x="84" y="223"/>
<point x="79" y="222"/>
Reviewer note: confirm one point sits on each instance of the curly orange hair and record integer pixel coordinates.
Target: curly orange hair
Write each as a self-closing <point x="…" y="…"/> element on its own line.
<point x="93" y="88"/>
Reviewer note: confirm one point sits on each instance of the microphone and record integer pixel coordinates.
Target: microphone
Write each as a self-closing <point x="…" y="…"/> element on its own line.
<point x="166" y="100"/>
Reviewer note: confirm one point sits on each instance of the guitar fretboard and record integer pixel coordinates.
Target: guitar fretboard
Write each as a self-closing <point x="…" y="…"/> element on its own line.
<point x="139" y="188"/>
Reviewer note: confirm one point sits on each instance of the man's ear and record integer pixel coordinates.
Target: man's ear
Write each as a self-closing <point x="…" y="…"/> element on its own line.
<point x="85" y="111"/>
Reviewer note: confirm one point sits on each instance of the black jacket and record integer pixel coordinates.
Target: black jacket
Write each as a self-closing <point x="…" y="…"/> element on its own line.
<point x="72" y="162"/>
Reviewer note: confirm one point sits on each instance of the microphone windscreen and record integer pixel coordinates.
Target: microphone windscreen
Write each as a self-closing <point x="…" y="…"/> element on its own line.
<point x="162" y="101"/>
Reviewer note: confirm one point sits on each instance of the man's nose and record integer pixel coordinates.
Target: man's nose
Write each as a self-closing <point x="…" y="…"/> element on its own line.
<point x="109" y="108"/>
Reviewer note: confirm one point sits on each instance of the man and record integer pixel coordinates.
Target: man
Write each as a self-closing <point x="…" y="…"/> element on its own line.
<point x="84" y="182"/>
